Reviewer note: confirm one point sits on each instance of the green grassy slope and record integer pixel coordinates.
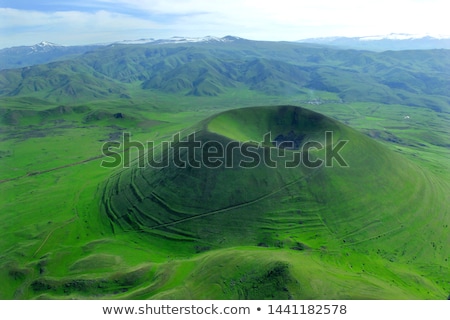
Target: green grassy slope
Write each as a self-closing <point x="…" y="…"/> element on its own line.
<point x="381" y="207"/>
<point x="57" y="245"/>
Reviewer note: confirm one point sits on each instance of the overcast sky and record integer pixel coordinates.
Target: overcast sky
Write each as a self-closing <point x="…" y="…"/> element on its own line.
<point x="71" y="22"/>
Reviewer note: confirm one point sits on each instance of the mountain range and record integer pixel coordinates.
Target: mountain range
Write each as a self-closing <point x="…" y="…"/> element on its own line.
<point x="213" y="67"/>
<point x="393" y="41"/>
<point x="45" y="52"/>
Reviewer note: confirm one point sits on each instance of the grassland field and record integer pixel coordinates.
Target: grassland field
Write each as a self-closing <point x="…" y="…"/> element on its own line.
<point x="55" y="244"/>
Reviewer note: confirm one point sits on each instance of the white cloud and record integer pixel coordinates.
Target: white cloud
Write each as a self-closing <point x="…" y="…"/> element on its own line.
<point x="68" y="27"/>
<point x="254" y="19"/>
<point x="291" y="19"/>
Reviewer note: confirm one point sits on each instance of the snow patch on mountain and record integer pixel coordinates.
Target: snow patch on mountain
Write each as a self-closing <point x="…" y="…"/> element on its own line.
<point x="43" y="46"/>
<point x="391" y="36"/>
<point x="178" y="39"/>
<point x="402" y="36"/>
<point x="392" y="41"/>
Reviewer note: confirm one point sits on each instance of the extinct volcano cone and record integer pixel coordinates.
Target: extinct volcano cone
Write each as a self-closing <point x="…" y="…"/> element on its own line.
<point x="377" y="203"/>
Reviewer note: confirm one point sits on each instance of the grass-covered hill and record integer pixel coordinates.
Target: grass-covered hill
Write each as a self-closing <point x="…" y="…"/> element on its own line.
<point x="381" y="205"/>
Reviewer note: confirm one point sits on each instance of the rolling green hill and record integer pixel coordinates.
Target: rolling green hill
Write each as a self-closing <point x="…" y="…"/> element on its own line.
<point x="381" y="206"/>
<point x="210" y="69"/>
<point x="377" y="229"/>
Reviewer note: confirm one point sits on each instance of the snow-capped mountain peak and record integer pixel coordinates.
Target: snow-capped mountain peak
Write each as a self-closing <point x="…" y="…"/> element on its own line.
<point x="392" y="41"/>
<point x="402" y="36"/>
<point x="47" y="44"/>
<point x="43" y="46"/>
<point x="137" y="41"/>
<point x="178" y="39"/>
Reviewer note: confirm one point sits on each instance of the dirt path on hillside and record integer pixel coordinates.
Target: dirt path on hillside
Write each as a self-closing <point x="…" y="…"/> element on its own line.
<point x="36" y="173"/>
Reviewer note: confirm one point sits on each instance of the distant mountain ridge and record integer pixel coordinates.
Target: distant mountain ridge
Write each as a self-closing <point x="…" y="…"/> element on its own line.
<point x="178" y="39"/>
<point x="212" y="68"/>
<point x="392" y="41"/>
<point x="45" y="52"/>
<point x="40" y="53"/>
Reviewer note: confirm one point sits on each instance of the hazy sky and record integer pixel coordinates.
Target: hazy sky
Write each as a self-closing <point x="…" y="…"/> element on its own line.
<point x="69" y="22"/>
